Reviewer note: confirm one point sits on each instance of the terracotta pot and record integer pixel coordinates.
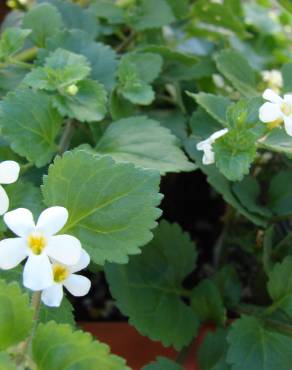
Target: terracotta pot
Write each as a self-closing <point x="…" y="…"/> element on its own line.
<point x="126" y="342"/>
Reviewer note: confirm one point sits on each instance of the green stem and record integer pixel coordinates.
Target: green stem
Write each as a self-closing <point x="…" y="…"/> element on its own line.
<point x="26" y="55"/>
<point x="183" y="354"/>
<point x="66" y="137"/>
<point x="36" y="305"/>
<point x="126" y="42"/>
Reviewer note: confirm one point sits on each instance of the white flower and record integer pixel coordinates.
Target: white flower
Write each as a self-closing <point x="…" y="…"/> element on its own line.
<point x="206" y="146"/>
<point x="77" y="285"/>
<point x="277" y="110"/>
<point x="39" y="243"/>
<point x="274" y="79"/>
<point x="9" y="172"/>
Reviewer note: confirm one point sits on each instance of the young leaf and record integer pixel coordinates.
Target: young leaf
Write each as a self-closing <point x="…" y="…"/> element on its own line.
<point x="149" y="288"/>
<point x="215" y="105"/>
<point x="207" y="303"/>
<point x="160" y="150"/>
<point x="102" y="57"/>
<point x="112" y="207"/>
<point x="237" y="70"/>
<point x="30" y="124"/>
<point x="136" y="71"/>
<point x="12" y="40"/>
<point x="252" y="346"/>
<point x="15" y="315"/>
<point x="58" y="347"/>
<point x="280" y="285"/>
<point x="44" y="20"/>
<point x="88" y="105"/>
<point x="62" y="68"/>
<point x="151" y="14"/>
<point x="163" y="363"/>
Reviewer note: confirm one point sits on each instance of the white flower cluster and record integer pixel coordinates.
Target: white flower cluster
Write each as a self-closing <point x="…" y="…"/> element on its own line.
<point x="206" y="146"/>
<point x="51" y="260"/>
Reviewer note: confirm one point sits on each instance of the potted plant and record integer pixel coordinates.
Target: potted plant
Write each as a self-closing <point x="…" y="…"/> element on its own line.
<point x="146" y="153"/>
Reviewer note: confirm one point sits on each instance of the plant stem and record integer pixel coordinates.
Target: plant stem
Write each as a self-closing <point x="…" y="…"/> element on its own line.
<point x="126" y="42"/>
<point x="66" y="137"/>
<point x="36" y="305"/>
<point x="183" y="354"/>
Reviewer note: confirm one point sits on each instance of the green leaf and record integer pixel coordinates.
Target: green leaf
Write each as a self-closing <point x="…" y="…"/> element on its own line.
<point x="151" y="14"/>
<point x="5" y="362"/>
<point x="207" y="303"/>
<point x="149" y="288"/>
<point x="286" y="4"/>
<point x="179" y="8"/>
<point x="76" y="17"/>
<point x="62" y="68"/>
<point x="136" y="71"/>
<point x="102" y="58"/>
<point x="218" y="15"/>
<point x="112" y="207"/>
<point x="277" y="141"/>
<point x="252" y="346"/>
<point x="212" y="349"/>
<point x="163" y="363"/>
<point x="61" y="315"/>
<point x="15" y="315"/>
<point x="12" y="40"/>
<point x="215" y="105"/>
<point x="280" y="285"/>
<point x="25" y="195"/>
<point x="287" y="77"/>
<point x="58" y="347"/>
<point x="108" y="11"/>
<point x="280" y="193"/>
<point x="44" y="20"/>
<point x="145" y="143"/>
<point x="228" y="284"/>
<point x="237" y="70"/>
<point x="88" y="105"/>
<point x="234" y="153"/>
<point x="30" y="124"/>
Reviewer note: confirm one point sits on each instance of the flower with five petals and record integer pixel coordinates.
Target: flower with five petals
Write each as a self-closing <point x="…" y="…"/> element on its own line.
<point x="39" y="244"/>
<point x="64" y="275"/>
<point x="206" y="146"/>
<point x="277" y="110"/>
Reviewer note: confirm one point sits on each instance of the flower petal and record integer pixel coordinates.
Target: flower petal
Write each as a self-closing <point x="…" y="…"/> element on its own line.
<point x="37" y="273"/>
<point x="12" y="252"/>
<point x="9" y="172"/>
<point x="271" y="96"/>
<point x="288" y="125"/>
<point x="83" y="262"/>
<point x="20" y="221"/>
<point x="208" y="157"/>
<point x="4" y="201"/>
<point x="52" y="220"/>
<point x="218" y="134"/>
<point x="288" y="98"/>
<point x="203" y="144"/>
<point x="53" y="295"/>
<point x="64" y="248"/>
<point x="269" y="112"/>
<point x="77" y="285"/>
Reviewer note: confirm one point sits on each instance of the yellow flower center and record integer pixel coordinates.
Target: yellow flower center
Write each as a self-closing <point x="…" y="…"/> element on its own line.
<point x="60" y="273"/>
<point x="286" y="109"/>
<point x="36" y="243"/>
<point x="275" y="123"/>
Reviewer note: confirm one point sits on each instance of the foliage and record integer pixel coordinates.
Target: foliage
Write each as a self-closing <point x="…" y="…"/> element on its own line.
<point x="101" y="102"/>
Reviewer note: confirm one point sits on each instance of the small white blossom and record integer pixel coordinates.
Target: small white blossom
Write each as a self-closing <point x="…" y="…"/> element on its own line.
<point x="77" y="285"/>
<point x="38" y="243"/>
<point x="206" y="146"/>
<point x="218" y="80"/>
<point x="273" y="79"/>
<point x="277" y="110"/>
<point x="9" y="172"/>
